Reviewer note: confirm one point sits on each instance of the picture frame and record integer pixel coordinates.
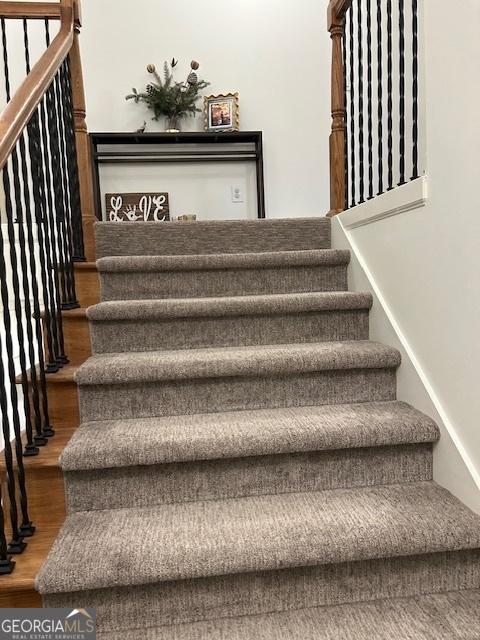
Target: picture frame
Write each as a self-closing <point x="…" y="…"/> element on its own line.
<point x="222" y="112"/>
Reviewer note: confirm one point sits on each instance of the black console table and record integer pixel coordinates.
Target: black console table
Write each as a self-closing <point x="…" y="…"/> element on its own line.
<point x="215" y="139"/>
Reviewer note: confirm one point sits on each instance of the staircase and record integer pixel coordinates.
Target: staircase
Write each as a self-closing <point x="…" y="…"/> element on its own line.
<point x="243" y="469"/>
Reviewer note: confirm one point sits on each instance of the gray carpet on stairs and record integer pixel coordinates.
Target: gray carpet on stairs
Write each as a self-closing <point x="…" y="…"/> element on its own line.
<point x="264" y="360"/>
<point x="245" y="433"/>
<point x="197" y="539"/>
<point x="243" y="467"/>
<point x="129" y="463"/>
<point x="184" y="382"/>
<point x="187" y="276"/>
<point x="204" y="237"/>
<point x="243" y="594"/>
<point x="248" y="261"/>
<point x="138" y="486"/>
<point x="228" y="322"/>
<point x="446" y="616"/>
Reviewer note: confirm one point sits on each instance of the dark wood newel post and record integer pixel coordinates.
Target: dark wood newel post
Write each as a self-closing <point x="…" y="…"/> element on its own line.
<point x="82" y="140"/>
<point x="336" y="26"/>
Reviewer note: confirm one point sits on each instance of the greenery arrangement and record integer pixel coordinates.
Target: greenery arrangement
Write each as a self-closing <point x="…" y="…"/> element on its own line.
<point x="169" y="98"/>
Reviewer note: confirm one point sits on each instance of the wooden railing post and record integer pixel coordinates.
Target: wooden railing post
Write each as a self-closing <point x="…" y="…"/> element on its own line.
<point x="336" y="25"/>
<point x="82" y="140"/>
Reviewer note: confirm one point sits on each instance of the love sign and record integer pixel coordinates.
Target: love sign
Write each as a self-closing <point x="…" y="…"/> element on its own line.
<point x="137" y="207"/>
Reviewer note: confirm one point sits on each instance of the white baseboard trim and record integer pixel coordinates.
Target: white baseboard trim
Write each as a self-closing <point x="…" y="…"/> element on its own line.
<point x="410" y="196"/>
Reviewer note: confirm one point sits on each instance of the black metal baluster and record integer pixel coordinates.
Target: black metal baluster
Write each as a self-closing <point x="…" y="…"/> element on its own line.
<point x="25" y="281"/>
<point x="30" y="449"/>
<point x="56" y="186"/>
<point x="77" y="228"/>
<point x="344" y="54"/>
<point x="58" y="199"/>
<point x="51" y="235"/>
<point x="47" y="430"/>
<point x="60" y="117"/>
<point x="45" y="427"/>
<point x="17" y="545"/>
<point x="7" y="565"/>
<point x="40" y="218"/>
<point x="369" y="99"/>
<point x="415" y="88"/>
<point x="39" y="438"/>
<point x="380" y="96"/>
<point x="26" y="529"/>
<point x="47" y="275"/>
<point x="352" y="110"/>
<point x="361" y="162"/>
<point x="390" y="95"/>
<point x="401" y="46"/>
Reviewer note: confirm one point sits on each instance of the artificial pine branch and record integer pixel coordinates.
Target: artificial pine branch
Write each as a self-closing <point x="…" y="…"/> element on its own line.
<point x="170" y="98"/>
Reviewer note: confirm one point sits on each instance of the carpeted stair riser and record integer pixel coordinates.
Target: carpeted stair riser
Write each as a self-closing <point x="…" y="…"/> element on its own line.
<point x="245" y="434"/>
<point x="152" y="334"/>
<point x="175" y="382"/>
<point x="204" y="395"/>
<point x="205" y="237"/>
<point x="151" y="485"/>
<point x="445" y="616"/>
<point x="184" y="601"/>
<point x="120" y="283"/>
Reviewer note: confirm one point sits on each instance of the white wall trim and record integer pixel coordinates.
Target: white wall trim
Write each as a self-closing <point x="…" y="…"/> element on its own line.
<point x="408" y="197"/>
<point x="449" y="426"/>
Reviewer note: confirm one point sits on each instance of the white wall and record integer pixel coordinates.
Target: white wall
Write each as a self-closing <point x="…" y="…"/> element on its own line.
<point x="425" y="263"/>
<point x="16" y="51"/>
<point x="275" y="53"/>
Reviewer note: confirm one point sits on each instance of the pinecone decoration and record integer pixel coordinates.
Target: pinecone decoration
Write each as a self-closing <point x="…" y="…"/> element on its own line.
<point x="192" y="78"/>
<point x="150" y="90"/>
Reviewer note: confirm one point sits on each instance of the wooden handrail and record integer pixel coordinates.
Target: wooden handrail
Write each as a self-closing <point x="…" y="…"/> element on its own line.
<point x="21" y="107"/>
<point x="31" y="10"/>
<point x="336" y="26"/>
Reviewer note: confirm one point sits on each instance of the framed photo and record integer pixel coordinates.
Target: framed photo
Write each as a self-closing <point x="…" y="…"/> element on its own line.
<point x="135" y="207"/>
<point x="222" y="112"/>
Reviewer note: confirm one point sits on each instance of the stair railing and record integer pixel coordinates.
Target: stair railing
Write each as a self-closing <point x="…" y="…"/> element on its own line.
<point x="374" y="141"/>
<point x="43" y="145"/>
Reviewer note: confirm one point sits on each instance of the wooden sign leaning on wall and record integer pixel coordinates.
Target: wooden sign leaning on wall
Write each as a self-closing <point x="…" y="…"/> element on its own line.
<point x="137" y="207"/>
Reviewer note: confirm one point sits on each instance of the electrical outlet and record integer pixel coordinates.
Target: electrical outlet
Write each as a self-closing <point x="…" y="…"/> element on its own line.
<point x="237" y="194"/>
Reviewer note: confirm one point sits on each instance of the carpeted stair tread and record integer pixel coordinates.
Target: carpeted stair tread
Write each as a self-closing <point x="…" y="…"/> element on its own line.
<point x="278" y="360"/>
<point x="211" y="236"/>
<point x="228" y="306"/>
<point x="148" y="441"/>
<point x="223" y="261"/>
<point x="444" y="616"/>
<point x="142" y="546"/>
